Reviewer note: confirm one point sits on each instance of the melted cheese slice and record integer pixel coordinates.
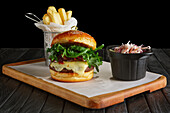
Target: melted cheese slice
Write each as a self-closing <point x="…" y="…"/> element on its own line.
<point x="76" y="66"/>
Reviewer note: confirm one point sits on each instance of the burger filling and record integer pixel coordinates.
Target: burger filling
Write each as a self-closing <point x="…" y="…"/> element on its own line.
<point x="76" y="66"/>
<point x="74" y="58"/>
<point x="64" y="70"/>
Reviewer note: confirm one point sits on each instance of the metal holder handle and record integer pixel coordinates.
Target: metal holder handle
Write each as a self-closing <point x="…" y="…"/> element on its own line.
<point x="31" y="14"/>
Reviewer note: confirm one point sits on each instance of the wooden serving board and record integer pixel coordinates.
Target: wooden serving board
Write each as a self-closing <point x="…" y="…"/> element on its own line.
<point x="95" y="102"/>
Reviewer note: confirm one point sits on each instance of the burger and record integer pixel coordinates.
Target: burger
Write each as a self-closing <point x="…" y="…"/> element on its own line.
<point x="73" y="56"/>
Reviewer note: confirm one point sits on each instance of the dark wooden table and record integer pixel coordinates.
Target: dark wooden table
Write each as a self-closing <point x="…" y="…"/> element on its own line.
<point x="16" y="96"/>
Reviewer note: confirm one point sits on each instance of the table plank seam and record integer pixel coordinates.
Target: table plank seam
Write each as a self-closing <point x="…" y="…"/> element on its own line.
<point x="44" y="103"/>
<point x="18" y="57"/>
<point x="5" y="49"/>
<point x="129" y="106"/>
<point x="126" y="105"/>
<point x="22" y="54"/>
<point x="162" y="67"/>
<point x="165" y="96"/>
<point x="166" y="53"/>
<point x="168" y="76"/>
<point x="161" y="64"/>
<point x="147" y="103"/>
<point x="37" y="54"/>
<point x="25" y="101"/>
<point x="146" y="96"/>
<point x="63" y="106"/>
<point x="161" y="89"/>
<point x="10" y="95"/>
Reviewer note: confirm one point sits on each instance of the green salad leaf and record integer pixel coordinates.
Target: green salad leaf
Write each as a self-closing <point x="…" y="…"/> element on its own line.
<point x="91" y="56"/>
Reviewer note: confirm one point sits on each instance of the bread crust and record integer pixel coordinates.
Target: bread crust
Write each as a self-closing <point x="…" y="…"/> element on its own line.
<point x="71" y="77"/>
<point x="75" y="36"/>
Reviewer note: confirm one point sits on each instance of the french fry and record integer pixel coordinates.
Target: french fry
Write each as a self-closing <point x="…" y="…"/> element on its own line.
<point x="69" y="14"/>
<point x="63" y="15"/>
<point x="46" y="19"/>
<point x="53" y="15"/>
<point x="59" y="18"/>
<point x="52" y="8"/>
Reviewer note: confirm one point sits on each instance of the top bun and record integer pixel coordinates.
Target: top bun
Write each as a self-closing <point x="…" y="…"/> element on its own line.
<point x="75" y="37"/>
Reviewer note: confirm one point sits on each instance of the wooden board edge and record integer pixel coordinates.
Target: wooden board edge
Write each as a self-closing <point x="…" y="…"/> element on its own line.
<point x="46" y="86"/>
<point x="105" y="100"/>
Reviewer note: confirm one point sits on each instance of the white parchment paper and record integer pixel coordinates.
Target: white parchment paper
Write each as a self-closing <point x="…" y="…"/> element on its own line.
<point x="101" y="83"/>
<point x="53" y="27"/>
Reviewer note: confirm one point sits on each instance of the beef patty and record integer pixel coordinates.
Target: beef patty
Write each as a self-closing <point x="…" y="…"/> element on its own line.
<point x="70" y="71"/>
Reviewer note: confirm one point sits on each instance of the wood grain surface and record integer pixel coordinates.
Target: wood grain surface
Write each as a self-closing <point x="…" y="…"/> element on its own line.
<point x="16" y="96"/>
<point x="96" y="102"/>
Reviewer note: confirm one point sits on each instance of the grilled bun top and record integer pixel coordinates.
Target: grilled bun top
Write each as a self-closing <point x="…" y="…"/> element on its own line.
<point x="75" y="37"/>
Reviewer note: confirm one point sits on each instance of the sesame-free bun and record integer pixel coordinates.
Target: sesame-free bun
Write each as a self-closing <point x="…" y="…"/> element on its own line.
<point x="71" y="77"/>
<point x="75" y="36"/>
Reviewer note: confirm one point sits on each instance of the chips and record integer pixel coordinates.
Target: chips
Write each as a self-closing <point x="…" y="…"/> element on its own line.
<point x="57" y="17"/>
<point x="69" y="14"/>
<point x="46" y="19"/>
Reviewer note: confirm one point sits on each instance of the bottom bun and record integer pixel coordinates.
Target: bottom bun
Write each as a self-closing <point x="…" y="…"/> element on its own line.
<point x="71" y="77"/>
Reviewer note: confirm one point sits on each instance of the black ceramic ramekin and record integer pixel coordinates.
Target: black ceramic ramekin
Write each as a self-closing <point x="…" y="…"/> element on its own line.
<point x="128" y="66"/>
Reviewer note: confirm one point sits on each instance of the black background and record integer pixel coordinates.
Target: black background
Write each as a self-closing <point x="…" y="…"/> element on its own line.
<point x="108" y="22"/>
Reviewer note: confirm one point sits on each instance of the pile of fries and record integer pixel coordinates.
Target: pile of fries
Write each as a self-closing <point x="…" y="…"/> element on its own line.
<point x="57" y="17"/>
